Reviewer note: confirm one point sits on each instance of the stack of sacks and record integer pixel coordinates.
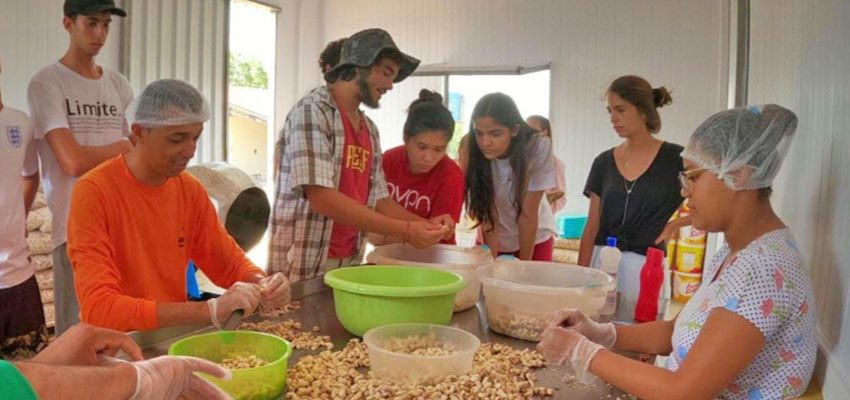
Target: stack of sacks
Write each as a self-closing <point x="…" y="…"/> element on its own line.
<point x="566" y="250"/>
<point x="39" y="222"/>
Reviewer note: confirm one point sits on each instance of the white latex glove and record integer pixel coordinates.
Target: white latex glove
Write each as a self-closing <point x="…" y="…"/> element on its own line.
<point x="241" y="296"/>
<point x="570" y="318"/>
<point x="171" y="378"/>
<point x="567" y="347"/>
<point x="275" y="290"/>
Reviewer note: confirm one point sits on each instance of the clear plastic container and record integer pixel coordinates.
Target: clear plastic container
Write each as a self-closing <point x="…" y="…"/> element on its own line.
<point x="460" y="260"/>
<point x="521" y="297"/>
<point x="390" y="363"/>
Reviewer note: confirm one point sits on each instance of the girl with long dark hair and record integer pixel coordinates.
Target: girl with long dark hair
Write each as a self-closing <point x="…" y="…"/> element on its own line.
<point x="510" y="167"/>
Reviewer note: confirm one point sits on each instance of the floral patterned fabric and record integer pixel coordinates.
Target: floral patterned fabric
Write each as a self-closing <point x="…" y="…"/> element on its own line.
<point x="766" y="284"/>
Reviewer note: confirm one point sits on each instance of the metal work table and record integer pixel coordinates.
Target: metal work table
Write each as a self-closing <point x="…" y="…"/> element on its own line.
<point x="317" y="308"/>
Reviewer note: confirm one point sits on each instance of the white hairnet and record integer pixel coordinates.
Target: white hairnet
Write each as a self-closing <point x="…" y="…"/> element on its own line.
<point x="168" y="102"/>
<point x="744" y="146"/>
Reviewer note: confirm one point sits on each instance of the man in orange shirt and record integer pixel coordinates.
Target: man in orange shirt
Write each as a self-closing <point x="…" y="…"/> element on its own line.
<point x="136" y="220"/>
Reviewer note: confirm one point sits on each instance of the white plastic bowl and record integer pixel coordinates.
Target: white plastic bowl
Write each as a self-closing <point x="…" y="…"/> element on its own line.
<point x="521" y="297"/>
<point x="394" y="366"/>
<point x="460" y="260"/>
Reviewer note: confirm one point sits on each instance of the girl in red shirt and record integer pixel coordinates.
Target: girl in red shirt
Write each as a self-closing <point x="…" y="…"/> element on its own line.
<point x="419" y="175"/>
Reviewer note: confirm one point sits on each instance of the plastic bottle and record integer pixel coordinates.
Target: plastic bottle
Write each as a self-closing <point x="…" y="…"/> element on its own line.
<point x="609" y="262"/>
<point x="651" y="279"/>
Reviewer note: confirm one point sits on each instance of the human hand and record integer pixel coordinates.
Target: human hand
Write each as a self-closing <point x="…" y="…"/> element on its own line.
<point x="668" y="232"/>
<point x="570" y="318"/>
<point x="82" y="344"/>
<point x="672" y="227"/>
<point x="424" y="233"/>
<point x="447" y="221"/>
<point x="567" y="347"/>
<point x="241" y="296"/>
<point x="172" y="378"/>
<point x="275" y="290"/>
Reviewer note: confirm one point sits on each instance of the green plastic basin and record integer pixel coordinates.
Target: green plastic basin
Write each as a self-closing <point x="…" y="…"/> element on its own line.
<point x="372" y="296"/>
<point x="260" y="383"/>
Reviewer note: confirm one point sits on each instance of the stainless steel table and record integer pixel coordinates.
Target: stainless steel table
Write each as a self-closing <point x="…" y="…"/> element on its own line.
<point x="317" y="308"/>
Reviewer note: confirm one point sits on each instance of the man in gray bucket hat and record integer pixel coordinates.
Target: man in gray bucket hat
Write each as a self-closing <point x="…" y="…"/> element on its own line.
<point x="362" y="50"/>
<point x="330" y="188"/>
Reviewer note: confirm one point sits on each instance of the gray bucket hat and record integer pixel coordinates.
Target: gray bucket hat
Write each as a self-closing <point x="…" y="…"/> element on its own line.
<point x="362" y="48"/>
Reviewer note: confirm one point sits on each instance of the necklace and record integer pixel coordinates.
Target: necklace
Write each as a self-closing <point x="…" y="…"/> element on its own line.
<point x="628" y="194"/>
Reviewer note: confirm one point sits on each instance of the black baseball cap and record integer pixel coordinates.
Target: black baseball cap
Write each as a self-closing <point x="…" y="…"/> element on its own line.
<point x="92" y="7"/>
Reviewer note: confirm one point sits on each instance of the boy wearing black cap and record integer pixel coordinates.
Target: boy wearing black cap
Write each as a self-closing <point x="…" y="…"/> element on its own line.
<point x="330" y="189"/>
<point x="77" y="108"/>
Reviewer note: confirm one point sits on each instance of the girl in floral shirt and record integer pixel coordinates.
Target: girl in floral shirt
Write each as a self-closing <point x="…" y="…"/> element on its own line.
<point x="749" y="331"/>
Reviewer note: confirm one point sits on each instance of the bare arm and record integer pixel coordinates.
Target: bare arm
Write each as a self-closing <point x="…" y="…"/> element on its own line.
<point x="387" y="206"/>
<point x="335" y="205"/>
<point x="76" y="160"/>
<point x="30" y="189"/>
<point x="528" y="223"/>
<point x="378" y="239"/>
<point x="704" y="373"/>
<point x="115" y="381"/>
<point x="588" y="237"/>
<point x="649" y="338"/>
<point x="672" y="227"/>
<point x="176" y="314"/>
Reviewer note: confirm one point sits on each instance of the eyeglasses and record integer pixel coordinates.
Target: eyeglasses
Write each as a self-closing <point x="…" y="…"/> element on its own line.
<point x="686" y="179"/>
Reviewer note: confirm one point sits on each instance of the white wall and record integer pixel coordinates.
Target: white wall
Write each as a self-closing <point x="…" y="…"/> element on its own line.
<point x="799" y="58"/>
<point x="680" y="45"/>
<point x="181" y="39"/>
<point x="298" y="48"/>
<point x="31" y="37"/>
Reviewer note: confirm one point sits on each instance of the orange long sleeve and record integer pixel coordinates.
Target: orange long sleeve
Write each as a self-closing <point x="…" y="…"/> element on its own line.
<point x="129" y="245"/>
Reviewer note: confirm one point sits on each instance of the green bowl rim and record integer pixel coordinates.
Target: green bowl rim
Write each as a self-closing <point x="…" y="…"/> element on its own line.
<point x="284" y="358"/>
<point x="331" y="279"/>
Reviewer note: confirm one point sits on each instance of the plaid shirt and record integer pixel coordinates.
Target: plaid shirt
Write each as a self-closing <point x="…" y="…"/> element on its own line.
<point x="309" y="152"/>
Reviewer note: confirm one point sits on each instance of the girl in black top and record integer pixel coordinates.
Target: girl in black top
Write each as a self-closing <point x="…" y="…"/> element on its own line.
<point x="633" y="188"/>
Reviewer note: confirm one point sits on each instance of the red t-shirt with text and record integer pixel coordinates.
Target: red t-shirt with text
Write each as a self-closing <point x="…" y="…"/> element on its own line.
<point x="353" y="182"/>
<point x="436" y="192"/>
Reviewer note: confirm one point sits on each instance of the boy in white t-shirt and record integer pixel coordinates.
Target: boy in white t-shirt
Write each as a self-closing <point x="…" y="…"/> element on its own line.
<point x="22" y="329"/>
<point x="78" y="110"/>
